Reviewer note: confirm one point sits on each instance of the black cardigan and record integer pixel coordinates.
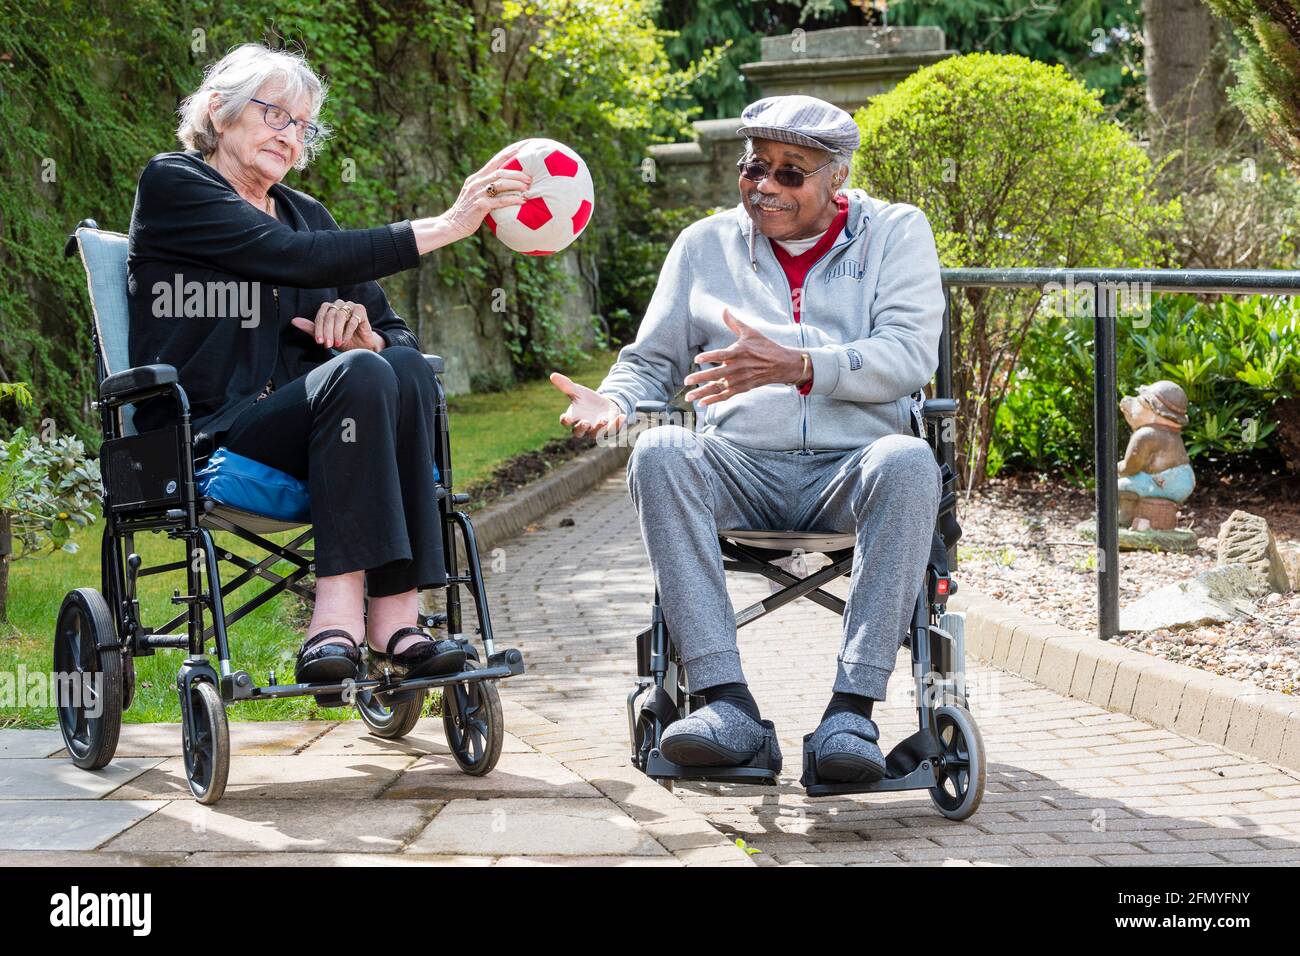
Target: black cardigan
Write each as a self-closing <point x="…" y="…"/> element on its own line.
<point x="189" y="222"/>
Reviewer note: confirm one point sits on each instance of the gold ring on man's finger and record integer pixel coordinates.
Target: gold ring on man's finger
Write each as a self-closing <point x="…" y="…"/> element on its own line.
<point x="723" y="382"/>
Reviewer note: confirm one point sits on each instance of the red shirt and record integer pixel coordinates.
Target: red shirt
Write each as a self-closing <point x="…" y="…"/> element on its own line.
<point x="796" y="267"/>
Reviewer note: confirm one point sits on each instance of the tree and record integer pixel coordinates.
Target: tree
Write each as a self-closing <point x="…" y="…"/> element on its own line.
<point x="1184" y="93"/>
<point x="1268" y="71"/>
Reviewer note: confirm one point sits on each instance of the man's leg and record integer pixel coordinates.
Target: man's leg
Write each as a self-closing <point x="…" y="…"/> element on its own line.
<point x="888" y="495"/>
<point x="685" y="487"/>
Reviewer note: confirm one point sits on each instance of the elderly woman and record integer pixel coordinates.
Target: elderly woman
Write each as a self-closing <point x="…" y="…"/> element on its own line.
<point x="317" y="376"/>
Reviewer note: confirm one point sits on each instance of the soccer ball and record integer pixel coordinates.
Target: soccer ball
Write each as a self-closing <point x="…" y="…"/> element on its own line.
<point x="560" y="203"/>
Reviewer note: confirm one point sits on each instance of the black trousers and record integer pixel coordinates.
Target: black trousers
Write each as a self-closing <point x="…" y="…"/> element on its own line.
<point x="360" y="430"/>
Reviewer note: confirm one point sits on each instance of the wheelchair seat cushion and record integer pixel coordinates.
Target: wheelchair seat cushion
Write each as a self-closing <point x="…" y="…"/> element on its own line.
<point x="717" y="735"/>
<point x="249" y="485"/>
<point x="847" y="749"/>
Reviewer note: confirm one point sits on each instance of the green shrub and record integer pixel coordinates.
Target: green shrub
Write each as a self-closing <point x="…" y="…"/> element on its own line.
<point x="1235" y="358"/>
<point x="1016" y="165"/>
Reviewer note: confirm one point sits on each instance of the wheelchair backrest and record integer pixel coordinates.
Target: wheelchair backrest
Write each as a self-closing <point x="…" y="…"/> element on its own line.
<point x="103" y="254"/>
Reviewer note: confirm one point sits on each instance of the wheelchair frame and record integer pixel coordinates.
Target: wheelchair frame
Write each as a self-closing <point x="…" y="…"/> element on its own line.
<point x="946" y="754"/>
<point x="117" y="634"/>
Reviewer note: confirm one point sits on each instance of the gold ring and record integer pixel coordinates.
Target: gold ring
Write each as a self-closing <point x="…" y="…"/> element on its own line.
<point x="492" y="189"/>
<point x="347" y="310"/>
<point x="723" y="382"/>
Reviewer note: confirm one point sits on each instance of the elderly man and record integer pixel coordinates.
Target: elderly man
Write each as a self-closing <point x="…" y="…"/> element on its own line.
<point x="814" y="313"/>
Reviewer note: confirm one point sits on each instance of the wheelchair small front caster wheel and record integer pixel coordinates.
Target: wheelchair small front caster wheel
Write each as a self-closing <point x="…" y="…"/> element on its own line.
<point x="88" y="688"/>
<point x="389" y="718"/>
<point x="961" y="775"/>
<point x="472" y="719"/>
<point x="207" y="749"/>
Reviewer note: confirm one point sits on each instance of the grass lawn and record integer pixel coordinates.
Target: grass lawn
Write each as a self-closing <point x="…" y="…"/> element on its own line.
<point x="489" y="428"/>
<point x="486" y="430"/>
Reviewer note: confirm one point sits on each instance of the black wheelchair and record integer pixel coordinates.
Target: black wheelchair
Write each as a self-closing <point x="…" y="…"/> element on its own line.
<point x="149" y="485"/>
<point x="946" y="754"/>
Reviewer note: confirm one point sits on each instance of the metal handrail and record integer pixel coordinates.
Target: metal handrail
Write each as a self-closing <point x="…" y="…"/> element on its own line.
<point x="1105" y="284"/>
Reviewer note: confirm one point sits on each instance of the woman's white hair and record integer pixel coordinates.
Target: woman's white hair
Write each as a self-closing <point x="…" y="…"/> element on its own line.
<point x="238" y="77"/>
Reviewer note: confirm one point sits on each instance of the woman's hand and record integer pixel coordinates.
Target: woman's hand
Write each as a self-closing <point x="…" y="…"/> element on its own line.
<point x="589" y="412"/>
<point x="343" y="326"/>
<point x="474" y="202"/>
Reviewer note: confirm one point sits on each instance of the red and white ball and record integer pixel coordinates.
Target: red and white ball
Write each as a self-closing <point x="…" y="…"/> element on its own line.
<point x="561" y="199"/>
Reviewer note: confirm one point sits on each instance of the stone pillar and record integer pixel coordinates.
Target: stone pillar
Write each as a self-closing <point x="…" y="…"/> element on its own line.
<point x="845" y="66"/>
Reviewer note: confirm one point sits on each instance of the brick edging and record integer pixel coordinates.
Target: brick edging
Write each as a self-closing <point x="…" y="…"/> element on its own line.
<point x="506" y="519"/>
<point x="1209" y="707"/>
<point x="684" y="832"/>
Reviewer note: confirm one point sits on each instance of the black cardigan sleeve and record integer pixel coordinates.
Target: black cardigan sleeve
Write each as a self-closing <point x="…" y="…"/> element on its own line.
<point x="185" y="212"/>
<point x="382" y="317"/>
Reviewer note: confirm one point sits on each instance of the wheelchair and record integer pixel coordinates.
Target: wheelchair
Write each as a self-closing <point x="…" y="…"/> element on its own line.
<point x="946" y="754"/>
<point x="151" y="483"/>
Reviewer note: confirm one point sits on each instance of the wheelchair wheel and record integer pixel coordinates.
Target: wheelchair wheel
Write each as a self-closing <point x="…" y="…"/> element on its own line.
<point x="207" y="753"/>
<point x="961" y="778"/>
<point x="472" y="719"/>
<point x="388" y="718"/>
<point x="89" y="693"/>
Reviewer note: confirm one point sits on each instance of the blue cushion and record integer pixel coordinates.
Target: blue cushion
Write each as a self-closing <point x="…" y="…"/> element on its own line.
<point x="249" y="485"/>
<point x="252" y="486"/>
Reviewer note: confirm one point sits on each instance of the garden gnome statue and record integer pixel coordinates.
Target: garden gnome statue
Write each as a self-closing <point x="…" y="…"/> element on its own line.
<point x="1155" y="473"/>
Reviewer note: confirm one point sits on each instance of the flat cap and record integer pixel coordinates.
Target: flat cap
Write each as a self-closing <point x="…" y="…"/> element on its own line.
<point x="801" y="121"/>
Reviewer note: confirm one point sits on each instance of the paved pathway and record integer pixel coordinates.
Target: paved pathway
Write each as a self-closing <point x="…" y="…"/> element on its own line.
<point x="1068" y="782"/>
<point x="326" y="792"/>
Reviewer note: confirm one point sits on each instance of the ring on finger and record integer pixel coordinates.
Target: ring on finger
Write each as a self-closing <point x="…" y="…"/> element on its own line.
<point x="723" y="382"/>
<point x="492" y="189"/>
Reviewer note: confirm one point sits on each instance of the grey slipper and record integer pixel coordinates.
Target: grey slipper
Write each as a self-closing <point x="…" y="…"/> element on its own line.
<point x="716" y="735"/>
<point x="847" y="751"/>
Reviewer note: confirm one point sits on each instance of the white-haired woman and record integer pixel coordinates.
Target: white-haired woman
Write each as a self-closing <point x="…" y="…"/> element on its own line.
<point x="317" y="376"/>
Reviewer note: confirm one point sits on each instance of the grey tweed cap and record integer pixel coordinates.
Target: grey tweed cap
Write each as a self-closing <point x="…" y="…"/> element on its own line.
<point x="801" y="121"/>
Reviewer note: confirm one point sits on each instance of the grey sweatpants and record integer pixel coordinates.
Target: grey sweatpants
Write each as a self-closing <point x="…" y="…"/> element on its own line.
<point x="686" y="486"/>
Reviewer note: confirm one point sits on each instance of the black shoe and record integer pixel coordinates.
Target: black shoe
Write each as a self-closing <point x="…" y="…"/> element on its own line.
<point x="321" y="663"/>
<point x="427" y="658"/>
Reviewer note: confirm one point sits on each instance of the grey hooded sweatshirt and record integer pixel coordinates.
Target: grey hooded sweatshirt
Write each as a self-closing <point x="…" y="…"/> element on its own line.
<point x="871" y="315"/>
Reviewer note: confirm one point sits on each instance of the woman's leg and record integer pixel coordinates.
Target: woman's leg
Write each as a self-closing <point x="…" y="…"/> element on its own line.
<point x="335" y="428"/>
<point x="394" y="601"/>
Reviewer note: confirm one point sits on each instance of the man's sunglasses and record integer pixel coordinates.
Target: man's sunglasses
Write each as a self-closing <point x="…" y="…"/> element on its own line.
<point x="790" y="178"/>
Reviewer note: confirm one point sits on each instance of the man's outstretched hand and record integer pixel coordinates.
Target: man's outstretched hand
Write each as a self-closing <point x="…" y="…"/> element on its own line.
<point x="751" y="361"/>
<point x="589" y="412"/>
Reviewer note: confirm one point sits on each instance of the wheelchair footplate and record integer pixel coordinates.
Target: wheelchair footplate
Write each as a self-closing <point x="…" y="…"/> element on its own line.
<point x="909" y="766"/>
<point x="763" y="768"/>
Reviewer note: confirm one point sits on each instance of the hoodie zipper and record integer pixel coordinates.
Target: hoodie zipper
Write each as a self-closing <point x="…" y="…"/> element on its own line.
<point x="803" y="314"/>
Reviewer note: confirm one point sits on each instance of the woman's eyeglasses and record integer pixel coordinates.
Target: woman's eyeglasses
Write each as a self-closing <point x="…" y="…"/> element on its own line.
<point x="278" y="118"/>
<point x="790" y="178"/>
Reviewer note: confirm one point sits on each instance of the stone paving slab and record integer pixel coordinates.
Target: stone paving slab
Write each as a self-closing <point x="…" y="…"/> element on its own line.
<point x="67" y="824"/>
<point x="536" y="827"/>
<point x="278" y="825"/>
<point x="30" y="743"/>
<point x="300" y="777"/>
<point x="247" y="738"/>
<point x="29" y="778"/>
<point x="436" y="776"/>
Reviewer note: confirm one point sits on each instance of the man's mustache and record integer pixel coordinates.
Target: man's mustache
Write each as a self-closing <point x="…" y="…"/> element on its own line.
<point x="766" y="202"/>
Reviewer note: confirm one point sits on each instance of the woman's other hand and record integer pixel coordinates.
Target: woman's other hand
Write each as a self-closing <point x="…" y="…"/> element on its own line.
<point x="341" y="325"/>
<point x="474" y="203"/>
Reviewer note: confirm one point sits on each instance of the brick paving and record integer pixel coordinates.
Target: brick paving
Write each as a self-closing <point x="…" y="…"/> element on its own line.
<point x="1069" y="783"/>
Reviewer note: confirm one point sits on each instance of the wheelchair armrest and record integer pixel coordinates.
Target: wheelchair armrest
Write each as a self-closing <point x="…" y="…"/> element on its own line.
<point x="651" y="407"/>
<point x="133" y="384"/>
<point x="436" y="363"/>
<point x="939" y="407"/>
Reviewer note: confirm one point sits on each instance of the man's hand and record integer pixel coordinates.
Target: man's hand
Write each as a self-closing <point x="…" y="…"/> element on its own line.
<point x="341" y="325"/>
<point x="589" y="412"/>
<point x="753" y="360"/>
